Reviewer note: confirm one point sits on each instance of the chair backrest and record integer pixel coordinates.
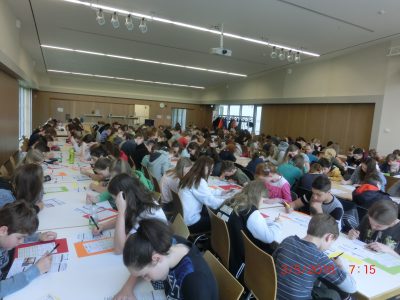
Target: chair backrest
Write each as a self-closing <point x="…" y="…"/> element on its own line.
<point x="390" y="181"/>
<point x="179" y="227"/>
<point x="9" y="167"/>
<point x="4" y="172"/>
<point x="156" y="184"/>
<point x="259" y="272"/>
<point x="25" y="145"/>
<point x="228" y="286"/>
<point x="220" y="241"/>
<point x="177" y="203"/>
<point x="146" y="172"/>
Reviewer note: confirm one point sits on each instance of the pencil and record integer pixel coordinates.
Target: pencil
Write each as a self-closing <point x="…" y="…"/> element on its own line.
<point x="54" y="249"/>
<point x="338" y="255"/>
<point x="94" y="222"/>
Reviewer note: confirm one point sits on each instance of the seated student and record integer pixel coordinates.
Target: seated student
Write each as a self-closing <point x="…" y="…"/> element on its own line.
<point x="330" y="170"/>
<point x="391" y="165"/>
<point x="369" y="192"/>
<point x="134" y="203"/>
<point x="192" y="151"/>
<point x="256" y="159"/>
<point x="334" y="160"/>
<point x="83" y="150"/>
<point x="307" y="179"/>
<point x="231" y="173"/>
<point x="228" y="152"/>
<point x="292" y="170"/>
<point x="380" y="229"/>
<point x="321" y="201"/>
<point x="153" y="253"/>
<point x="355" y="159"/>
<point x="304" y="271"/>
<point x="308" y="150"/>
<point x="241" y="213"/>
<point x="101" y="174"/>
<point x="18" y="220"/>
<point x="129" y="146"/>
<point x="278" y="187"/>
<point x="33" y="156"/>
<point x="170" y="180"/>
<point x="105" y="133"/>
<point x="195" y="193"/>
<point x="291" y="152"/>
<point x="367" y="167"/>
<point x="158" y="161"/>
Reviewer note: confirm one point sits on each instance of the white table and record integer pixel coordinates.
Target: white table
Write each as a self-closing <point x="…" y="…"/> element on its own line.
<point x="380" y="285"/>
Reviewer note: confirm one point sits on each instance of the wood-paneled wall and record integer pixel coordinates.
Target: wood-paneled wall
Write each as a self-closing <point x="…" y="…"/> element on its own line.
<point x="9" y="115"/>
<point x="346" y="124"/>
<point x="45" y="105"/>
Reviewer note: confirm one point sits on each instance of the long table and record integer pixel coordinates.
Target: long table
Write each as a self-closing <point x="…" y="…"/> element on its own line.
<point x="92" y="277"/>
<point x="380" y="285"/>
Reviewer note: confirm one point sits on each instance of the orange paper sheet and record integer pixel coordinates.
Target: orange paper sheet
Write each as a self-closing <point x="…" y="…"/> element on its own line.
<point x="94" y="247"/>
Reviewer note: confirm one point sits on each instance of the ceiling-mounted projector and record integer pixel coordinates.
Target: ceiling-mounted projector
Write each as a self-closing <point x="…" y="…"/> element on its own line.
<point x="221" y="50"/>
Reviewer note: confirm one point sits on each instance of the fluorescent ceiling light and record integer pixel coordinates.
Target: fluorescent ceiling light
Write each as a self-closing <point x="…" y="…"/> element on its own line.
<point x="143" y="60"/>
<point x="111" y="10"/>
<point x="122" y="78"/>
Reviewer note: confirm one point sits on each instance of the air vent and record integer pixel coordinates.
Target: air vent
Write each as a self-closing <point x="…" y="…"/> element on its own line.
<point x="394" y="51"/>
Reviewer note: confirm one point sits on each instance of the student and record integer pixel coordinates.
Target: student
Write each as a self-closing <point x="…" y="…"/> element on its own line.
<point x="302" y="266"/>
<point x="241" y="213"/>
<point x="278" y="187"/>
<point x="97" y="151"/>
<point x="33" y="156"/>
<point x="291" y="152"/>
<point x="134" y="203"/>
<point x="367" y="167"/>
<point x="28" y="185"/>
<point x="84" y="149"/>
<point x="228" y="153"/>
<point x="153" y="253"/>
<point x="307" y="179"/>
<point x="192" y="151"/>
<point x="369" y="192"/>
<point x="292" y="170"/>
<point x="157" y="162"/>
<point x="231" y="173"/>
<point x="256" y="159"/>
<point x="18" y="220"/>
<point x="321" y="201"/>
<point x="355" y="159"/>
<point x="330" y="170"/>
<point x="391" y="165"/>
<point x="380" y="229"/>
<point x="308" y="150"/>
<point x="195" y="193"/>
<point x="101" y="174"/>
<point x="129" y="146"/>
<point x="107" y="131"/>
<point x="170" y="180"/>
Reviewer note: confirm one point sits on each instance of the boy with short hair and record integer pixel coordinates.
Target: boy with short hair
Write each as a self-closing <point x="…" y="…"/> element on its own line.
<point x="17" y="221"/>
<point x="231" y="172"/>
<point x="321" y="201"/>
<point x="301" y="264"/>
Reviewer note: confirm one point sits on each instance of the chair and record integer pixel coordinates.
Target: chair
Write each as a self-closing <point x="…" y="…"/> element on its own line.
<point x="146" y="172"/>
<point x="177" y="204"/>
<point x="9" y="167"/>
<point x="220" y="241"/>
<point x="293" y="195"/>
<point x="228" y="287"/>
<point x="4" y="172"/>
<point x="14" y="159"/>
<point x="155" y="183"/>
<point x="179" y="227"/>
<point x="259" y="273"/>
<point x="25" y="145"/>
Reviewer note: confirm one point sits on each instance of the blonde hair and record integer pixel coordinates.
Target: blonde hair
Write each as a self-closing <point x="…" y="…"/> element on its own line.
<point x="33" y="156"/>
<point x="248" y="197"/>
<point x="329" y="153"/>
<point x="182" y="163"/>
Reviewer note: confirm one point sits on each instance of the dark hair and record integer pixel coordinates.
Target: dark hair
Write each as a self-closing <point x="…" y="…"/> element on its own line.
<point x="227" y="166"/>
<point x="298" y="161"/>
<point x="321" y="224"/>
<point x="384" y="212"/>
<point x="358" y="151"/>
<point x="138" y="198"/>
<point x="19" y="217"/>
<point x="372" y="179"/>
<point x="98" y="151"/>
<point x="371" y="168"/>
<point x="152" y="236"/>
<point x="88" y="138"/>
<point x="325" y="163"/>
<point x="197" y="172"/>
<point x="102" y="163"/>
<point x="391" y="157"/>
<point x="315" y="167"/>
<point x="196" y="147"/>
<point x="28" y="183"/>
<point x="322" y="183"/>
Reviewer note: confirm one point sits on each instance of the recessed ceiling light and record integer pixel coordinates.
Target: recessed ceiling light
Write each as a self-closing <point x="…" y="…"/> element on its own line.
<point x="181" y="24"/>
<point x="122" y="78"/>
<point x="143" y="60"/>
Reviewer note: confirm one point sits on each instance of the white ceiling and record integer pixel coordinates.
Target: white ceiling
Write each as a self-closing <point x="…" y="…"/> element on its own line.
<point x="321" y="26"/>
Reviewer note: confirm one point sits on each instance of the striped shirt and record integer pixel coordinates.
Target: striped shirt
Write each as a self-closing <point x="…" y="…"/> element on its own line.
<point x="299" y="264"/>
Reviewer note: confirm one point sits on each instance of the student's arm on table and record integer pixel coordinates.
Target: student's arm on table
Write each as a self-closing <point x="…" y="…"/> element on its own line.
<point x="126" y="292"/>
<point x="119" y="234"/>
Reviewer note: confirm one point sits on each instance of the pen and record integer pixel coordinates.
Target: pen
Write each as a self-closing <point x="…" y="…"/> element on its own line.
<point x="94" y="222"/>
<point x="338" y="255"/>
<point x="55" y="247"/>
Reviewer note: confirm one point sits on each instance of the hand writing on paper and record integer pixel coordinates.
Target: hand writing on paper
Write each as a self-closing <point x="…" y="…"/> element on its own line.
<point x="91" y="199"/>
<point x="44" y="263"/>
<point x="353" y="234"/>
<point x="120" y="202"/>
<point x="379" y="247"/>
<point x="96" y="231"/>
<point x="47" y="236"/>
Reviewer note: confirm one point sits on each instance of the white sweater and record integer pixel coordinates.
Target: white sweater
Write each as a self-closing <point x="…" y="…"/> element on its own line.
<point x="194" y="198"/>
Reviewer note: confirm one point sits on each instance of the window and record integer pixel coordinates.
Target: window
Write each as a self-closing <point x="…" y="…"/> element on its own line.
<point x="25" y="112"/>
<point x="179" y="116"/>
<point x="248" y="116"/>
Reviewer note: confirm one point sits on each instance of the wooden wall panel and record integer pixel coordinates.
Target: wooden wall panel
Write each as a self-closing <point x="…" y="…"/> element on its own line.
<point x="202" y="117"/>
<point x="346" y="124"/>
<point x="9" y="115"/>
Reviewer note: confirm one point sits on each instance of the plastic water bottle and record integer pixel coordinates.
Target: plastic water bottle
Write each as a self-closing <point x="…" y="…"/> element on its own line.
<point x="71" y="158"/>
